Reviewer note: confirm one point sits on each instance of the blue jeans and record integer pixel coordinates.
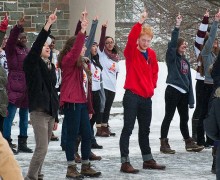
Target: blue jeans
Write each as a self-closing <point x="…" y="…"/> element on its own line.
<point x="23" y="121"/>
<point x="141" y="108"/>
<point x="76" y="117"/>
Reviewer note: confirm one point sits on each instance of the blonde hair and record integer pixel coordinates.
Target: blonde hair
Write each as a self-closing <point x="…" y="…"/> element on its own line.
<point x="147" y="30"/>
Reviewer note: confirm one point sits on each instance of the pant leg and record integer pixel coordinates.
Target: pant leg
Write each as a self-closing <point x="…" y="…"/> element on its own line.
<point x="183" y="110"/>
<point x="200" y="128"/>
<point x="23" y="123"/>
<point x="172" y="97"/>
<point x="108" y="104"/>
<point x="130" y="104"/>
<point x="85" y="131"/>
<point x="42" y="133"/>
<point x="144" y="116"/>
<point x="63" y="134"/>
<point x="199" y="98"/>
<point x="72" y="116"/>
<point x="96" y="106"/>
<point x="8" y="121"/>
<point x="1" y="123"/>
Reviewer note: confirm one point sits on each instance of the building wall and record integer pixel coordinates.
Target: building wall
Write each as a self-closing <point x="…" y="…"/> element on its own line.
<point x="105" y="9"/>
<point x="36" y="13"/>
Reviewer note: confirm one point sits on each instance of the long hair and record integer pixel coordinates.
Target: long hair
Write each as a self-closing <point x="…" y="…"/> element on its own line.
<point x="66" y="48"/>
<point x="115" y="48"/>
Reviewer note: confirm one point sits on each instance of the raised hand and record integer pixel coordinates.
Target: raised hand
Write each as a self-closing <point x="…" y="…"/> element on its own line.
<point x="84" y="23"/>
<point x="217" y="16"/>
<point x="84" y="14"/>
<point x="143" y="17"/>
<point x="4" y="23"/>
<point x="179" y="19"/>
<point x="21" y="21"/>
<point x="52" y="18"/>
<point x="105" y="24"/>
<point x="206" y="13"/>
<point x="96" y="18"/>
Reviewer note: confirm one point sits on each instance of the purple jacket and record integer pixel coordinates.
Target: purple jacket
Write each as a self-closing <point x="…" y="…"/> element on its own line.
<point x="16" y="87"/>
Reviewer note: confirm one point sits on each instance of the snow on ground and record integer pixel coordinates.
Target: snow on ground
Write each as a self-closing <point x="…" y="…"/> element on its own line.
<point x="180" y="166"/>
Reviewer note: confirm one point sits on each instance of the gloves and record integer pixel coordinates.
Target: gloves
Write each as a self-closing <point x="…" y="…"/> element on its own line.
<point x="4" y="24"/>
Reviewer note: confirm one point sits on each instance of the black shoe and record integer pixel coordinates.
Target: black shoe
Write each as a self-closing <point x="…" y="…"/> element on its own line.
<point x="96" y="146"/>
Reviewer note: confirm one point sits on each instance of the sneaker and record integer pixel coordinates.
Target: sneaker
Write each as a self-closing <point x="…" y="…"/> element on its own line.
<point x="86" y="170"/>
<point x="151" y="164"/>
<point x="128" y="168"/>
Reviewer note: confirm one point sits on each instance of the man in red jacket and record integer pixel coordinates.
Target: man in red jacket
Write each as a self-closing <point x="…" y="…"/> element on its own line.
<point x="141" y="79"/>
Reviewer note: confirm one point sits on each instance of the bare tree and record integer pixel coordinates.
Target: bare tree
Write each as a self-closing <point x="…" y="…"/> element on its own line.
<point x="162" y="14"/>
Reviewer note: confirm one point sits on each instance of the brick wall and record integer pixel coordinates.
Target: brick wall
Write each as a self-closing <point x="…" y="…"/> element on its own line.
<point x="36" y="13"/>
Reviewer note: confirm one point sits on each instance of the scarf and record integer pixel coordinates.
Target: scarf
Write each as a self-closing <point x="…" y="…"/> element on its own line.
<point x="47" y="61"/>
<point x="95" y="61"/>
<point x="82" y="61"/>
<point x="111" y="55"/>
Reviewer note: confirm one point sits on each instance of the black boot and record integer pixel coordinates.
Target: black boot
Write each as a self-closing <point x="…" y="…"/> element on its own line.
<point x="22" y="145"/>
<point x="15" y="152"/>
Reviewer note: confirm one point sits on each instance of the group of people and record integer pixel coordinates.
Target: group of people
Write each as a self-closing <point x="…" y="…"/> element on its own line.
<point x="85" y="73"/>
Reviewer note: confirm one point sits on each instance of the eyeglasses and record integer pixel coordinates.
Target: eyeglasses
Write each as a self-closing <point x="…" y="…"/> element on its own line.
<point x="107" y="43"/>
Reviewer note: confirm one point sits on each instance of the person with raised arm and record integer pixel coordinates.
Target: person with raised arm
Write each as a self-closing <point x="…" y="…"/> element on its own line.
<point x="3" y="78"/>
<point x="43" y="98"/>
<point x="75" y="98"/>
<point x="141" y="62"/>
<point x="199" y="43"/>
<point x="16" y="50"/>
<point x="179" y="91"/>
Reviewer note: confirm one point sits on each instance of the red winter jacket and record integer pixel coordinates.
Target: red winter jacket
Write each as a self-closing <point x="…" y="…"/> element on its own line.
<point x="72" y="90"/>
<point x="142" y="74"/>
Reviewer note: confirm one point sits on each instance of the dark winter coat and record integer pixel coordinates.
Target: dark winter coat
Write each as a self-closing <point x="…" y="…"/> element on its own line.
<point x="3" y="82"/>
<point x="16" y="87"/>
<point x="179" y="73"/>
<point x="212" y="126"/>
<point x="215" y="73"/>
<point x="41" y="81"/>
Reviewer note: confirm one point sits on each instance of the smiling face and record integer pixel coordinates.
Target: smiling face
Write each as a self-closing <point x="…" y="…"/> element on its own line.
<point x="22" y="40"/>
<point x="45" y="53"/>
<point x="109" y="44"/>
<point x="182" y="48"/>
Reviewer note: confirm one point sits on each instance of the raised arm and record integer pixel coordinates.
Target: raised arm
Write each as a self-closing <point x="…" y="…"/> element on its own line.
<point x="91" y="37"/>
<point x="78" y="26"/>
<point x="13" y="37"/>
<point x="200" y="35"/>
<point x="134" y="34"/>
<point x="3" y="28"/>
<point x="207" y="49"/>
<point x="102" y="37"/>
<point x="72" y="56"/>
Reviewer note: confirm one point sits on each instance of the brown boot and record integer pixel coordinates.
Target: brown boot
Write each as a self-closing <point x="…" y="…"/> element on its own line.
<point x="151" y="164"/>
<point x="93" y="157"/>
<point x="101" y="132"/>
<point x="77" y="157"/>
<point x="104" y="132"/>
<point x="165" y="147"/>
<point x="192" y="146"/>
<point x="109" y="131"/>
<point x="73" y="173"/>
<point x="128" y="168"/>
<point x="86" y="170"/>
